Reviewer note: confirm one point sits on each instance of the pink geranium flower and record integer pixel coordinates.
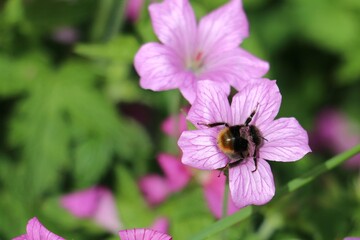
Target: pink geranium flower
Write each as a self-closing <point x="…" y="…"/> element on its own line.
<point x="335" y="132"/>
<point x="157" y="188"/>
<point x="143" y="234"/>
<point x="36" y="231"/>
<point x="173" y="126"/>
<point x="161" y="225"/>
<point x="133" y="8"/>
<point x="96" y="203"/>
<point x="250" y="181"/>
<point x="189" y="52"/>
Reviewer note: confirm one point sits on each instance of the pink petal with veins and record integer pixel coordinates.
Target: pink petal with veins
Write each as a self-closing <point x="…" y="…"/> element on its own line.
<point x="247" y="187"/>
<point x="143" y="234"/>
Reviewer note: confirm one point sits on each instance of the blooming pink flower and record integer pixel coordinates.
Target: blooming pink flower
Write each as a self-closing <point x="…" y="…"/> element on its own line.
<point x="283" y="139"/>
<point x="214" y="187"/>
<point x="191" y="52"/>
<point x="157" y="188"/>
<point x="336" y="133"/>
<point x="97" y="203"/>
<point x="161" y="225"/>
<point x="176" y="173"/>
<point x="143" y="234"/>
<point x="173" y="126"/>
<point x="36" y="231"/>
<point x="133" y="8"/>
<point x="352" y="238"/>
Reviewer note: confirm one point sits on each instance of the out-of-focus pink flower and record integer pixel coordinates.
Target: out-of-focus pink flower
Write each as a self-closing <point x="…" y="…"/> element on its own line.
<point x="97" y="203"/>
<point x="214" y="186"/>
<point x="336" y="133"/>
<point x="190" y="52"/>
<point x="176" y="173"/>
<point x="156" y="188"/>
<point x="161" y="225"/>
<point x="282" y="139"/>
<point x="65" y="35"/>
<point x="36" y="231"/>
<point x="143" y="234"/>
<point x="173" y="126"/>
<point x="352" y="238"/>
<point x="133" y="8"/>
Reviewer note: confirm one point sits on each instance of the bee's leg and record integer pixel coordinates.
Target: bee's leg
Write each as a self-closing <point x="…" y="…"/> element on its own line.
<point x="264" y="138"/>
<point x="230" y="165"/>
<point x="248" y="120"/>
<point x="255" y="160"/>
<point x="214" y="124"/>
<point x="224" y="169"/>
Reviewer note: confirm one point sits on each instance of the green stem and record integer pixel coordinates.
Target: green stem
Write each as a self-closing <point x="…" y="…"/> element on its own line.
<point x="108" y="20"/>
<point x="293" y="185"/>
<point x="101" y="18"/>
<point x="318" y="170"/>
<point x="225" y="199"/>
<point x="226" y="195"/>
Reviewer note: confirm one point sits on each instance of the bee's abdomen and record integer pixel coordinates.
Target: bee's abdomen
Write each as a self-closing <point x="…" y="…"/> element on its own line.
<point x="231" y="143"/>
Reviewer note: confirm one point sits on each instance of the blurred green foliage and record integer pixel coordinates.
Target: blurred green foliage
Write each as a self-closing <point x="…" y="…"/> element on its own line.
<point x="66" y="125"/>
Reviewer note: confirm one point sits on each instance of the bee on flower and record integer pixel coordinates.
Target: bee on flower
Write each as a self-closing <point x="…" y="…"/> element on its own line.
<point x="241" y="137"/>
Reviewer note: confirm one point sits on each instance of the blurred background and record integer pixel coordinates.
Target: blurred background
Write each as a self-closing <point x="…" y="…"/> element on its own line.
<point x="73" y="116"/>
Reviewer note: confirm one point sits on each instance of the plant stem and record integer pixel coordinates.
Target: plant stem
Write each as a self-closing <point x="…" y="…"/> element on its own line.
<point x="226" y="195"/>
<point x="225" y="200"/>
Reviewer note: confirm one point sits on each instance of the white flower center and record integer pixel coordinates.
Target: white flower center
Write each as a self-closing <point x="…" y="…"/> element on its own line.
<point x="196" y="62"/>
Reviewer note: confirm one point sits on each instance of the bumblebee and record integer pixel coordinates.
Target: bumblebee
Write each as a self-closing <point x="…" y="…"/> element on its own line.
<point x="239" y="141"/>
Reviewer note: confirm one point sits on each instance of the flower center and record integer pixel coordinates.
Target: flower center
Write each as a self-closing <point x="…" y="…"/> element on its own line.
<point x="196" y="62"/>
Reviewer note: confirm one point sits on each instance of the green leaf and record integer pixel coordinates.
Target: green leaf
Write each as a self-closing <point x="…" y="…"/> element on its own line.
<point x="17" y="74"/>
<point x="326" y="23"/>
<point x="133" y="210"/>
<point x="13" y="12"/>
<point x="349" y="71"/>
<point x="121" y="48"/>
<point x="92" y="158"/>
<point x="40" y="131"/>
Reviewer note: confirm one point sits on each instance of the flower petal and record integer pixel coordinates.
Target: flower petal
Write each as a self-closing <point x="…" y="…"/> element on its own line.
<point x="211" y="105"/>
<point x="286" y="141"/>
<point x="175" y="25"/>
<point x="214" y="194"/>
<point x="249" y="187"/>
<point x="143" y="234"/>
<point x="200" y="149"/>
<point x="21" y="237"/>
<point x="173" y="126"/>
<point x="236" y="66"/>
<point x="36" y="231"/>
<point x="106" y="214"/>
<point x="161" y="225"/>
<point x="133" y="8"/>
<point x="188" y="89"/>
<point x="261" y="95"/>
<point x="155" y="188"/>
<point x="83" y="203"/>
<point x="223" y="29"/>
<point x="97" y="203"/>
<point x="160" y="68"/>
<point x="176" y="173"/>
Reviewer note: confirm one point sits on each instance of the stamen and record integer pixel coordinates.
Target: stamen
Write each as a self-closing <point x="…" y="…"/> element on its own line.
<point x="198" y="56"/>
